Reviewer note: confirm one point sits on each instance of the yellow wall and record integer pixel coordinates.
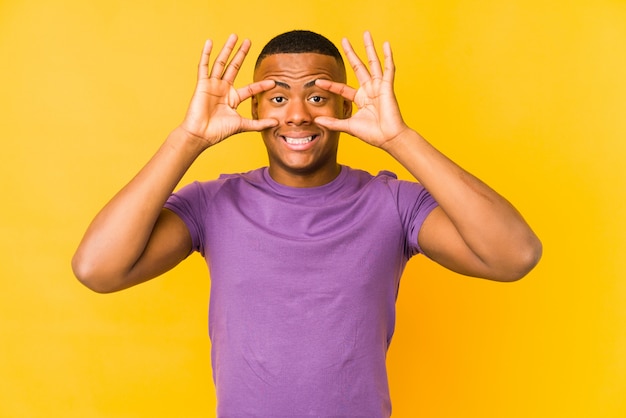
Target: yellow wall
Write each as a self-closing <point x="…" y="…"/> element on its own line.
<point x="529" y="95"/>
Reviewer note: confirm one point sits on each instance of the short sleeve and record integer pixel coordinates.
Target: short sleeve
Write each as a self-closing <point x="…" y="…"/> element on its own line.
<point x="189" y="203"/>
<point x="414" y="204"/>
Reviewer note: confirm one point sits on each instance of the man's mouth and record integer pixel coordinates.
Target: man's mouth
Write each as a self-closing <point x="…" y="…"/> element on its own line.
<point x="299" y="141"/>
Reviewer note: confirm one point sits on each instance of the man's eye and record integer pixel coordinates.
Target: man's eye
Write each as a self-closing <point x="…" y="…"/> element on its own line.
<point x="277" y="100"/>
<point x="317" y="99"/>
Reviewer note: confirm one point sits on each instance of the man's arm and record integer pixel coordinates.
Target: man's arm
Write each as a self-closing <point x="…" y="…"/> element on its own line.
<point x="475" y="231"/>
<point x="133" y="239"/>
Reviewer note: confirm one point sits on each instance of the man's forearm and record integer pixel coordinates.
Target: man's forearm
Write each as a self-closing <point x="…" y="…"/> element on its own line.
<point x="119" y="233"/>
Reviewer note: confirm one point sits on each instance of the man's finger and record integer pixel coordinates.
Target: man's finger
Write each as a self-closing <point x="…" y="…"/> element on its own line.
<point x="235" y="64"/>
<point x="390" y="67"/>
<point x="222" y="57"/>
<point x="334" y="124"/>
<point x="255" y="88"/>
<point x="203" y="66"/>
<point x="341" y="89"/>
<point x="372" y="57"/>
<point x="257" y="125"/>
<point x="360" y="70"/>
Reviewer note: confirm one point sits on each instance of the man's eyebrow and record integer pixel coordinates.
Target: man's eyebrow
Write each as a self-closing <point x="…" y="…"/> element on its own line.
<point x="286" y="86"/>
<point x="309" y="84"/>
<point x="283" y="85"/>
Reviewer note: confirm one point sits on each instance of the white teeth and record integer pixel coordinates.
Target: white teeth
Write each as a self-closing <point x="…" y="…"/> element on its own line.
<point x="298" y="141"/>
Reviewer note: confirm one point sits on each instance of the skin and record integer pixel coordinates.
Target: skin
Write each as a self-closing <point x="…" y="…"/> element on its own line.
<point x="295" y="102"/>
<point x="475" y="231"/>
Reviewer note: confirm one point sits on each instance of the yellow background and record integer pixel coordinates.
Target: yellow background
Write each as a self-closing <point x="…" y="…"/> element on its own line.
<point x="528" y="95"/>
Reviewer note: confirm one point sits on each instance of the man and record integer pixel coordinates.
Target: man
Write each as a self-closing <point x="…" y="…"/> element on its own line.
<point x="305" y="255"/>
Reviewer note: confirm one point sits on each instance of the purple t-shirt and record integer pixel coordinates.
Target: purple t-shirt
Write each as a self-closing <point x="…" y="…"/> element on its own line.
<point x="303" y="288"/>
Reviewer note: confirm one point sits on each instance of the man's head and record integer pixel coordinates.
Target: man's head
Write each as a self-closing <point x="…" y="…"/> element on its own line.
<point x="301" y="41"/>
<point x="301" y="152"/>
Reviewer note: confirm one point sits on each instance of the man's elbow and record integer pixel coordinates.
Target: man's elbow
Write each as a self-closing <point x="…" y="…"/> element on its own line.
<point x="90" y="276"/>
<point x="525" y="259"/>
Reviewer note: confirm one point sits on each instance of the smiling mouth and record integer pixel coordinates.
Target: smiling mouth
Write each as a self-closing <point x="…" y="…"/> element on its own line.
<point x="299" y="141"/>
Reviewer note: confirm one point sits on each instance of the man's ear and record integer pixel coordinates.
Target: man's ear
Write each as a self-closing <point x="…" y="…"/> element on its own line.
<point x="254" y="104"/>
<point x="347" y="108"/>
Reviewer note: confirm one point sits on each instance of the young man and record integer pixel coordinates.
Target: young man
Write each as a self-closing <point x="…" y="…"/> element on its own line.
<point x="305" y="255"/>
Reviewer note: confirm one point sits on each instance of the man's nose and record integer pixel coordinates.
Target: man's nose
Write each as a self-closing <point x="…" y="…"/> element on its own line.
<point x="298" y="113"/>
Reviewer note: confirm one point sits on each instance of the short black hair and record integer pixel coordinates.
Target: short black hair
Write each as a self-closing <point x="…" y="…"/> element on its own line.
<point x="297" y="42"/>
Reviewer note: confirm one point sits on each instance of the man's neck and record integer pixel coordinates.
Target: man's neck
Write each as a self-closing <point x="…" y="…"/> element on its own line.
<point x="305" y="179"/>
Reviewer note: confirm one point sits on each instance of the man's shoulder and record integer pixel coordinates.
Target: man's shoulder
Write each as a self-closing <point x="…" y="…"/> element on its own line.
<point x="248" y="176"/>
<point x="388" y="181"/>
<point x="224" y="184"/>
<point x="364" y="177"/>
<point x="231" y="179"/>
<point x="362" y="173"/>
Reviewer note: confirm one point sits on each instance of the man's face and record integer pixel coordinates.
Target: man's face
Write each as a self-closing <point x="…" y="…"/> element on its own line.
<point x="300" y="152"/>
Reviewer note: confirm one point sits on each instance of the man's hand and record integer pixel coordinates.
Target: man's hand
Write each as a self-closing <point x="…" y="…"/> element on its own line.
<point x="212" y="114"/>
<point x="377" y="120"/>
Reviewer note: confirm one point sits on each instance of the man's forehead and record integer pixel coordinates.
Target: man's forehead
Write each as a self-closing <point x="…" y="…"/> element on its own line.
<point x="306" y="66"/>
